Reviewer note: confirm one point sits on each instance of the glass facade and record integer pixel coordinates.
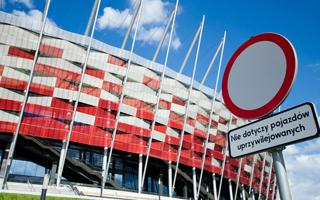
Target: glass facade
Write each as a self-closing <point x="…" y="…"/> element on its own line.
<point x="26" y="168"/>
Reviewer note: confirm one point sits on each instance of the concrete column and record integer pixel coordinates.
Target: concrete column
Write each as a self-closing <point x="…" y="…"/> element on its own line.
<point x="140" y="173"/>
<point x="243" y="192"/>
<point x="61" y="161"/>
<point x="160" y="184"/>
<point x="185" y="192"/>
<point x="53" y="172"/>
<point x="4" y="160"/>
<point x="170" y="178"/>
<point x="214" y="184"/>
<point x="208" y="194"/>
<point x="230" y="189"/>
<point x="104" y="166"/>
<point x="194" y="180"/>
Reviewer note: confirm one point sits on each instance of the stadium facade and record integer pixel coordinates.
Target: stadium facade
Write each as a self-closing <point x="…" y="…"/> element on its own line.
<point x="48" y="115"/>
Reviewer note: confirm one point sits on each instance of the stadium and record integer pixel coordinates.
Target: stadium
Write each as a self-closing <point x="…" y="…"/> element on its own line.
<point x="98" y="116"/>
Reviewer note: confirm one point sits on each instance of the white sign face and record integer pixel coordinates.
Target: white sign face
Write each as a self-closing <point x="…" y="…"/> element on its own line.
<point x="259" y="75"/>
<point x="287" y="127"/>
<point x="253" y="90"/>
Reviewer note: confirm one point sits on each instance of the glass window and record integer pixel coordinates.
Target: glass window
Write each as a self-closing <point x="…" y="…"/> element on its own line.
<point x="74" y="153"/>
<point x="130" y="181"/>
<point x="26" y="168"/>
<point x="118" y="179"/>
<point x="97" y="159"/>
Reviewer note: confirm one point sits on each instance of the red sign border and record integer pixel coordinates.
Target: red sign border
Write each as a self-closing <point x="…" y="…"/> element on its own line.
<point x="291" y="69"/>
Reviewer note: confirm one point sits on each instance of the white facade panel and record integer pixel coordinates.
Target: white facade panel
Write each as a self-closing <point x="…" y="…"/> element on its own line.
<point x="162" y="116"/>
<point x="215" y="162"/>
<point x="10" y="95"/>
<point x="158" y="136"/>
<point x="16" y="62"/>
<point x="112" y="79"/>
<point x="92" y="81"/>
<point x="85" y="118"/>
<point x="130" y="110"/>
<point x="7" y="117"/>
<point x="9" y="72"/>
<point x="43" y="101"/>
<point x="134" y="121"/>
<point x="45" y="80"/>
<point x="59" y="63"/>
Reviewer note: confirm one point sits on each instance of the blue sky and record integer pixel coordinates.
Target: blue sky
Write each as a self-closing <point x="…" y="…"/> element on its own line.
<point x="296" y="20"/>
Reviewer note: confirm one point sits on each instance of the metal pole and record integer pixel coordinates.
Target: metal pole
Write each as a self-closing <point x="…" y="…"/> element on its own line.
<point x="188" y="103"/>
<point x="159" y="93"/>
<point x="194" y="183"/>
<point x="155" y="56"/>
<point x="214" y="185"/>
<point x="274" y="187"/>
<point x="269" y="178"/>
<point x="238" y="178"/>
<point x="252" y="196"/>
<point x="89" y="24"/>
<point x="212" y="106"/>
<point x="61" y="160"/>
<point x="186" y="58"/>
<point x="25" y="100"/>
<point x="277" y="195"/>
<point x="243" y="192"/>
<point x="230" y="189"/>
<point x="160" y="189"/>
<point x="262" y="175"/>
<point x="212" y="61"/>
<point x="281" y="173"/>
<point x="140" y="173"/>
<point x="104" y="164"/>
<point x="63" y="154"/>
<point x="224" y="158"/>
<point x="170" y="178"/>
<point x="44" y="187"/>
<point x="122" y="94"/>
<point x="125" y="40"/>
<point x="251" y="175"/>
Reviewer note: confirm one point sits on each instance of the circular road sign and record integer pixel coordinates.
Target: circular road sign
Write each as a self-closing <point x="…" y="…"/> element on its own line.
<point x="259" y="75"/>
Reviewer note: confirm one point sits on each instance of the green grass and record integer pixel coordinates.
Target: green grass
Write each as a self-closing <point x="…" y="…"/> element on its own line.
<point x="13" y="196"/>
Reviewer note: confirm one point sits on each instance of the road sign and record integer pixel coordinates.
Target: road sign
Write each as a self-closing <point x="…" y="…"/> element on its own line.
<point x="259" y="75"/>
<point x="290" y="126"/>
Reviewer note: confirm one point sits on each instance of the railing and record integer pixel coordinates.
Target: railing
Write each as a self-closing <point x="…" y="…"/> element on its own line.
<point x="30" y="185"/>
<point x="74" y="188"/>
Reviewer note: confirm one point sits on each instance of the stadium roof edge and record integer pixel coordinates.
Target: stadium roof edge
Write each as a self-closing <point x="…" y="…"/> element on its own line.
<point x="98" y="45"/>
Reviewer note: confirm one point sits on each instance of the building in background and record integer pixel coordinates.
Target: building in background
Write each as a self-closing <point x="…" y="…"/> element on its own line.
<point x="48" y="115"/>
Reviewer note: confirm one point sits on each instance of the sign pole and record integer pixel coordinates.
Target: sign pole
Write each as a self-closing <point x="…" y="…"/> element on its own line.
<point x="281" y="173"/>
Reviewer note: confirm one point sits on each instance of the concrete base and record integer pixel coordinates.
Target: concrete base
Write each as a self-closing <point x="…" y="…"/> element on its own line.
<point x="80" y="192"/>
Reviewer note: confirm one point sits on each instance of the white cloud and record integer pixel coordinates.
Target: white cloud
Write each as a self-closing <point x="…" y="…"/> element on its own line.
<point x="114" y="19"/>
<point x="314" y="65"/>
<point x="303" y="168"/>
<point x="27" y="3"/>
<point x="176" y="43"/>
<point x="154" y="17"/>
<point x="33" y="15"/>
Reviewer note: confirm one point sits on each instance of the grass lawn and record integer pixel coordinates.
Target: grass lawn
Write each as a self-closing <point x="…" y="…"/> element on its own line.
<point x="11" y="196"/>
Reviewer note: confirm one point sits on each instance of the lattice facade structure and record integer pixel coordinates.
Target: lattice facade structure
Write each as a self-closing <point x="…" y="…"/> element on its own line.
<point x="54" y="89"/>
